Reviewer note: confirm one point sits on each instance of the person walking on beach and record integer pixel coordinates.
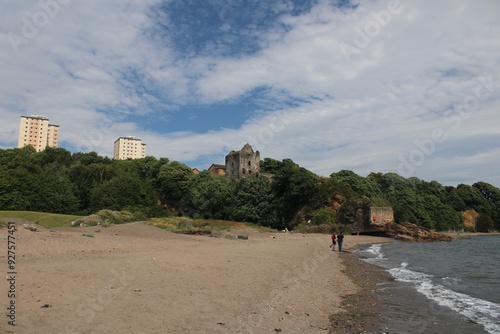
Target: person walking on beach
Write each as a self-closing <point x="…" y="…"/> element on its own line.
<point x="333" y="242"/>
<point x="340" y="239"/>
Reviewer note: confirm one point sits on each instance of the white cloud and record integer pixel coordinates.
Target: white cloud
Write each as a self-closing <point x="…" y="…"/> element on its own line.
<point x="97" y="69"/>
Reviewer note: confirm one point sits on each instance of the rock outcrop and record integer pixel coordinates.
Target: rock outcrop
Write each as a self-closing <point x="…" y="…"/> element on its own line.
<point x="470" y="219"/>
<point x="413" y="233"/>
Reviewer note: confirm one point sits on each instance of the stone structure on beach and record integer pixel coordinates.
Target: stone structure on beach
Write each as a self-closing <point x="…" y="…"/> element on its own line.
<point x="243" y="163"/>
<point x="380" y="221"/>
<point x="371" y="220"/>
<point x="378" y="217"/>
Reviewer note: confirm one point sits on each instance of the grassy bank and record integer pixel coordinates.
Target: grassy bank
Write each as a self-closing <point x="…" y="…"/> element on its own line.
<point x="47" y="220"/>
<point x="188" y="225"/>
<point x="174" y="224"/>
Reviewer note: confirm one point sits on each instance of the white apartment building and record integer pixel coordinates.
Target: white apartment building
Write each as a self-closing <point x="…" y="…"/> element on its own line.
<point x="36" y="131"/>
<point x="129" y="147"/>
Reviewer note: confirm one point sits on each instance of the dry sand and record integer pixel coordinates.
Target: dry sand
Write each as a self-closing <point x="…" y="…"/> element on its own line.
<point x="135" y="278"/>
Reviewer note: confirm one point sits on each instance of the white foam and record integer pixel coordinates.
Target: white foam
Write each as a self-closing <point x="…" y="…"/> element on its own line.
<point x="403" y="274"/>
<point x="375" y="250"/>
<point x="480" y="311"/>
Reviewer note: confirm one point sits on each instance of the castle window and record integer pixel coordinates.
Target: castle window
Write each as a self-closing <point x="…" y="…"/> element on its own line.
<point x="243" y="171"/>
<point x="249" y="163"/>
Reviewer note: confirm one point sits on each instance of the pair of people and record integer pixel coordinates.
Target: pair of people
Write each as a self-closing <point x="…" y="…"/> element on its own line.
<point x="339" y="238"/>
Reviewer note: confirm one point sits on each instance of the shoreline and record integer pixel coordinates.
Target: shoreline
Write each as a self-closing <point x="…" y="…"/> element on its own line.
<point x="466" y="235"/>
<point x="363" y="310"/>
<point x="385" y="305"/>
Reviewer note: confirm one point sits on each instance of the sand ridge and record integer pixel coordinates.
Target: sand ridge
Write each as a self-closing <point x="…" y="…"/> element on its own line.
<point x="135" y="278"/>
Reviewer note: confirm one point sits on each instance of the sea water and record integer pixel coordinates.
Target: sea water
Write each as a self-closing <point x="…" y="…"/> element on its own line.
<point x="440" y="287"/>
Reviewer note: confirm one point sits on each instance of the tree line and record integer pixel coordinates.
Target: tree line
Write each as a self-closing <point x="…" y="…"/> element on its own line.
<point x="58" y="181"/>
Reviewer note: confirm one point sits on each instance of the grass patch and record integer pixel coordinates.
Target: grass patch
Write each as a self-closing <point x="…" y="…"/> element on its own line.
<point x="202" y="226"/>
<point x="107" y="218"/>
<point x="323" y="228"/>
<point x="47" y="220"/>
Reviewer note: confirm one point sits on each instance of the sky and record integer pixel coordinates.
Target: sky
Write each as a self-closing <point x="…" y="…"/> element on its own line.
<point x="408" y="87"/>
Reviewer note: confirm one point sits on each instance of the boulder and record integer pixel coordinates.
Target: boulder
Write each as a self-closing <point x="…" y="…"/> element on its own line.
<point x="31" y="227"/>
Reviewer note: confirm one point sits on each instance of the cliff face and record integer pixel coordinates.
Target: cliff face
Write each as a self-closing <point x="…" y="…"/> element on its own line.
<point x="414" y="233"/>
<point x="470" y="219"/>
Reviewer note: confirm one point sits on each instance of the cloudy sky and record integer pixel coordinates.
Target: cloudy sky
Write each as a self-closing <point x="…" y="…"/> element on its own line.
<point x="410" y="87"/>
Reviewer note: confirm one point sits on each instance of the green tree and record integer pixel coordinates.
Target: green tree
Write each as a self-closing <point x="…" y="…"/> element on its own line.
<point x="323" y="216"/>
<point x="209" y="196"/>
<point x="408" y="205"/>
<point x="54" y="191"/>
<point x="54" y="156"/>
<point x="269" y="165"/>
<point x="253" y="202"/>
<point x="86" y="177"/>
<point x="484" y="223"/>
<point x="491" y="195"/>
<point x="357" y="186"/>
<point x="125" y="191"/>
<point x="19" y="169"/>
<point x="293" y="187"/>
<point x="90" y="158"/>
<point x="173" y="181"/>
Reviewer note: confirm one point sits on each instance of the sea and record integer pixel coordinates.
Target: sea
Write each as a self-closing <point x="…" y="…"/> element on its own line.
<point x="439" y="287"/>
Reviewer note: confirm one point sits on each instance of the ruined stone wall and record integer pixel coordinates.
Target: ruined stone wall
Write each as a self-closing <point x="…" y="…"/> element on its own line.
<point x="243" y="163"/>
<point x="380" y="216"/>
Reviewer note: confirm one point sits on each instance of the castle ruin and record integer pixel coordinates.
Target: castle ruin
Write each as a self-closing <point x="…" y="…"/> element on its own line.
<point x="243" y="163"/>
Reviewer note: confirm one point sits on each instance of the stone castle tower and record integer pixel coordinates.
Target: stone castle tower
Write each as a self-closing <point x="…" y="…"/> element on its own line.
<point x="243" y="163"/>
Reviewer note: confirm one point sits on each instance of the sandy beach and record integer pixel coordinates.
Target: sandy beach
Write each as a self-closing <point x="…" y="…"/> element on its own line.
<point x="136" y="278"/>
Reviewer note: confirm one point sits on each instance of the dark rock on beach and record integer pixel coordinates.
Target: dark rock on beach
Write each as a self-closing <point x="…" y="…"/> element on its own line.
<point x="414" y="233"/>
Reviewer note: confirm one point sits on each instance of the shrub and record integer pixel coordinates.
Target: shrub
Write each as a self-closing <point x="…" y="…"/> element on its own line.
<point x="323" y="216"/>
<point x="484" y="223"/>
<point x="106" y="218"/>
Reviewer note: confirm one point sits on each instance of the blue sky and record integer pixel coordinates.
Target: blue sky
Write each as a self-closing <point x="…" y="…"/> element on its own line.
<point x="410" y="87"/>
